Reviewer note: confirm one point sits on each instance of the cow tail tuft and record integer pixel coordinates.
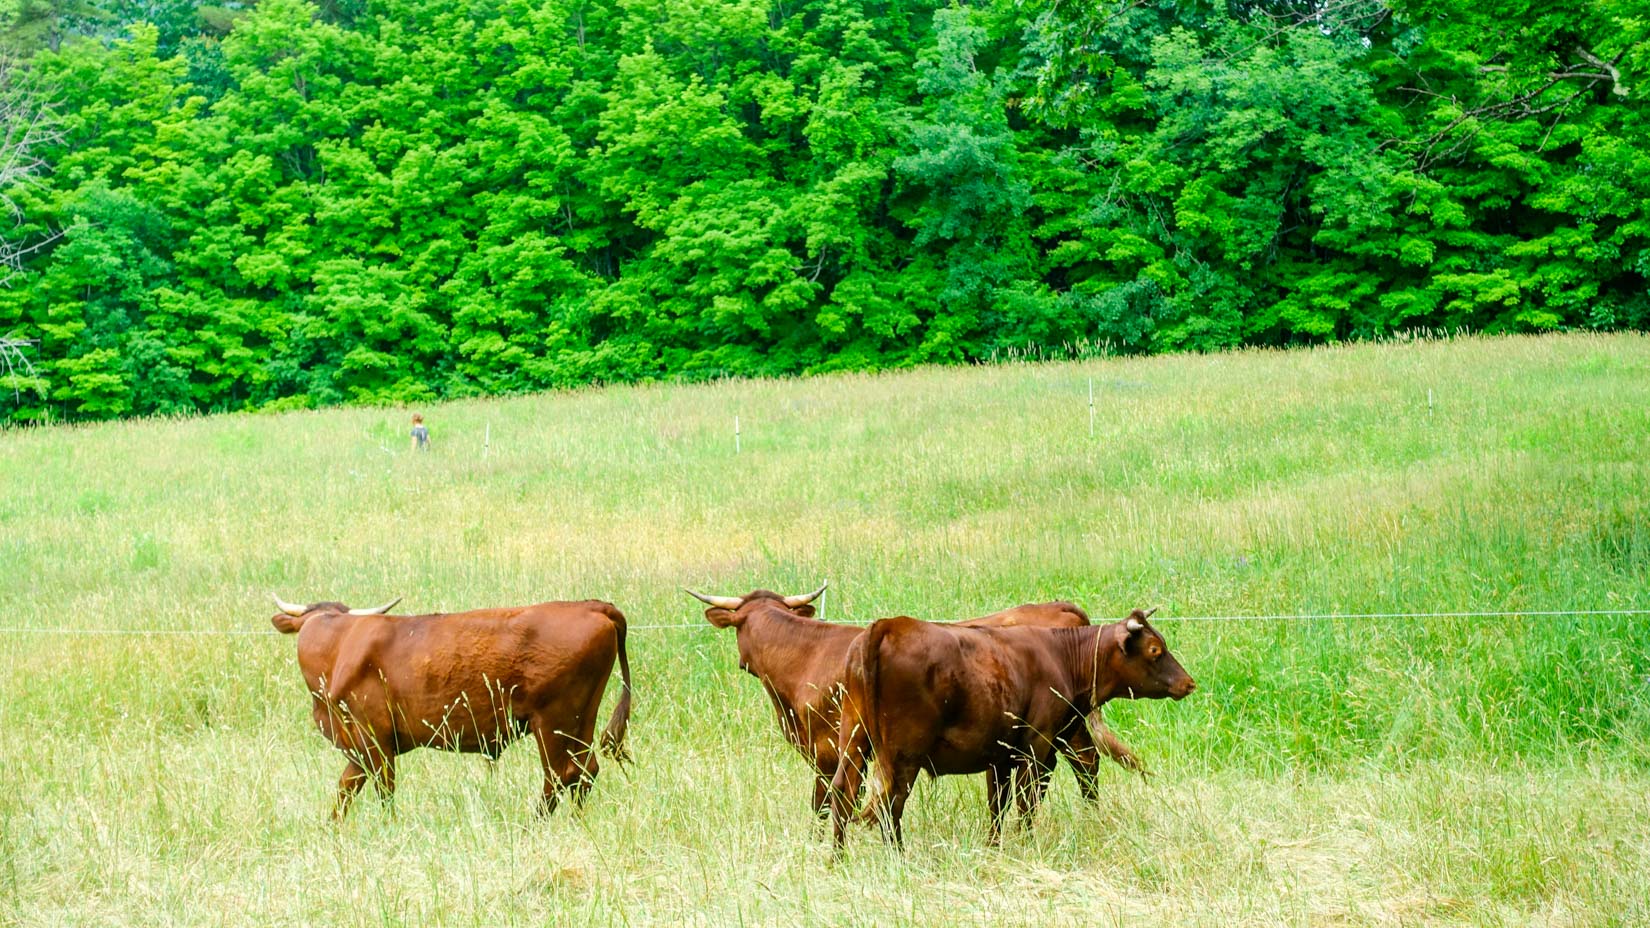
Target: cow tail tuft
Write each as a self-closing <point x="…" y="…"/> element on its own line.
<point x="613" y="736"/>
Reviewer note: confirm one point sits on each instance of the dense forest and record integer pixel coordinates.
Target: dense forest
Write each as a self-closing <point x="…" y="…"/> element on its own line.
<point x="282" y="204"/>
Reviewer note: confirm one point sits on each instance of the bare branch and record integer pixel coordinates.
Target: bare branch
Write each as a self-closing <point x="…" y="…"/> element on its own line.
<point x="28" y="126"/>
<point x="1373" y="16"/>
<point x="1519" y="106"/>
<point x="1608" y="67"/>
<point x="12" y="357"/>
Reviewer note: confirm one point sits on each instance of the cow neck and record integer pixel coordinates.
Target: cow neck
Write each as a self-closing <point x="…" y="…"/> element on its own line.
<point x="782" y="637"/>
<point x="1092" y="646"/>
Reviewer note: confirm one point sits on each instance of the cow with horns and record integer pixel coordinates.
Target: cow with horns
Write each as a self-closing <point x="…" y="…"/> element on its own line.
<point x="800" y="659"/>
<point x="383" y="685"/>
<point x="946" y="700"/>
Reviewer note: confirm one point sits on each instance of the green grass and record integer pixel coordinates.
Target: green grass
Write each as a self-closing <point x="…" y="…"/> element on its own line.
<point x="1414" y="772"/>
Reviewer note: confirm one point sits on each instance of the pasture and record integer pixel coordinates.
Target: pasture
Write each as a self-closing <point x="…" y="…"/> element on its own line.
<point x="1433" y="771"/>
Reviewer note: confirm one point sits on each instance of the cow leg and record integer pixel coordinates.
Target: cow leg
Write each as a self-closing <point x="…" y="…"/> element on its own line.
<point x="1117" y="750"/>
<point x="1033" y="776"/>
<point x="349" y="783"/>
<point x="383" y="778"/>
<point x="822" y="797"/>
<point x="1082" y="752"/>
<point x="1084" y="758"/>
<point x="886" y="805"/>
<point x="998" y="779"/>
<point x="372" y="764"/>
<point x="580" y="776"/>
<point x="824" y="748"/>
<point x="568" y="765"/>
<point x="899" y="790"/>
<point x="845" y="784"/>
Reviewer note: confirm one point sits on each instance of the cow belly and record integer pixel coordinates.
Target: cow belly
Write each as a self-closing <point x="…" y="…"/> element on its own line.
<point x="947" y="763"/>
<point x="477" y="718"/>
<point x="973" y="747"/>
<point x="474" y="718"/>
<point x="947" y="758"/>
<point x="480" y="722"/>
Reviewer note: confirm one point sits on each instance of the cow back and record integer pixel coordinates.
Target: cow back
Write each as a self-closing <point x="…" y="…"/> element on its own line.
<point x="957" y="698"/>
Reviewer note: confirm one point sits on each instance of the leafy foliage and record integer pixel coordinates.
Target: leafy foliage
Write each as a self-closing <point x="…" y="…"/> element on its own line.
<point x="282" y="204"/>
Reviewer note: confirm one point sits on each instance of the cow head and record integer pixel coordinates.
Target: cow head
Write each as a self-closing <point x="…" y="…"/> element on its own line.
<point x="731" y="611"/>
<point x="292" y="616"/>
<point x="1142" y="667"/>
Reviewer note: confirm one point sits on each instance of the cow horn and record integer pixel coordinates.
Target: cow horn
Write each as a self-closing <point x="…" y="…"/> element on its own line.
<point x="794" y="601"/>
<point x="1133" y="624"/>
<point x="379" y="610"/>
<point x="1150" y="612"/>
<point x="721" y="602"/>
<point x="287" y="607"/>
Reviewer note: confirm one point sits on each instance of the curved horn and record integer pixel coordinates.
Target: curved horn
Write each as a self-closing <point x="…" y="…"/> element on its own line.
<point x="379" y="610"/>
<point x="1134" y="624"/>
<point x="1149" y="612"/>
<point x="794" y="601"/>
<point x="286" y="607"/>
<point x="721" y="602"/>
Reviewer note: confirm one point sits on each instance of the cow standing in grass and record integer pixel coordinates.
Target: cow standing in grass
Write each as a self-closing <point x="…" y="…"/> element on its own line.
<point x="475" y="681"/>
<point x="800" y="661"/>
<point x="948" y="700"/>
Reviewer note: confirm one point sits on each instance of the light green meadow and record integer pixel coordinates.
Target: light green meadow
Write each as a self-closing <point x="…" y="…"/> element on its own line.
<point x="1433" y="771"/>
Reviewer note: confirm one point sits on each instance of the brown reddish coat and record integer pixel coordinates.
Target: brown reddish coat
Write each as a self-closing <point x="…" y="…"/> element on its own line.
<point x="800" y="662"/>
<point x="469" y="681"/>
<point x="948" y="700"/>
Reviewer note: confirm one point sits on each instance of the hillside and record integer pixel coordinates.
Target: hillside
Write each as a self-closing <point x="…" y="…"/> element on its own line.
<point x="1429" y="770"/>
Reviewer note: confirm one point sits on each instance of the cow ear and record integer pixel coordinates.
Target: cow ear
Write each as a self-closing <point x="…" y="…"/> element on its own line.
<point x="1132" y="629"/>
<point x="721" y="618"/>
<point x="805" y="611"/>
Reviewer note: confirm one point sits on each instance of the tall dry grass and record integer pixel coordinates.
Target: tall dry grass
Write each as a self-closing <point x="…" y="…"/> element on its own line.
<point x="1441" y="771"/>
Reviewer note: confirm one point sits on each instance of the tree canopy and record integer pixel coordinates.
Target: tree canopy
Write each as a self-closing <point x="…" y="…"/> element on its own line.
<point x="286" y="204"/>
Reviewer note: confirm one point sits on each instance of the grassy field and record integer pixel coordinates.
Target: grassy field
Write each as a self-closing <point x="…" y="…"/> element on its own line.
<point x="1434" y="771"/>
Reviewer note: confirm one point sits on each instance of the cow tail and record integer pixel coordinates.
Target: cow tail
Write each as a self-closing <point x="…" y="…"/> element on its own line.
<point x="287" y="624"/>
<point x="877" y="765"/>
<point x="867" y="679"/>
<point x="613" y="736"/>
<point x="871" y="673"/>
<point x="855" y="744"/>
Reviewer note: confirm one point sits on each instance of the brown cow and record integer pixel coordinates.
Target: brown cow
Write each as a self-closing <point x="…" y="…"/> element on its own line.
<point x="800" y="660"/>
<point x="948" y="700"/>
<point x="468" y="681"/>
